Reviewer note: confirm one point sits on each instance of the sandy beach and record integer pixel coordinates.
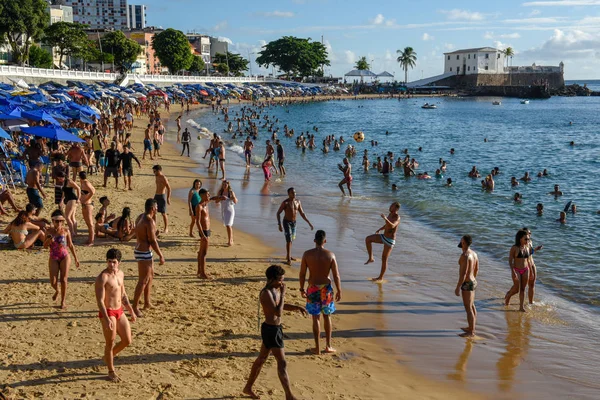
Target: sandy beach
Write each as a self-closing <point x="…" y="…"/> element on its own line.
<point x="200" y="340"/>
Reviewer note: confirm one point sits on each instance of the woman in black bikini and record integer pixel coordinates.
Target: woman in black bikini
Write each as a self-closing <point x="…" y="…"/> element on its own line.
<point x="519" y="260"/>
<point x="71" y="194"/>
<point x="87" y="205"/>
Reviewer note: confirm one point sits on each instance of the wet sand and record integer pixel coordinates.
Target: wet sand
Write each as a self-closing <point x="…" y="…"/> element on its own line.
<point x="201" y="339"/>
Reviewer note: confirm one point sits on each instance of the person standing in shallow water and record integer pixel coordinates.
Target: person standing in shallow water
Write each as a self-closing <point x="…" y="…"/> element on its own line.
<point x="347" y="171"/>
<point x="387" y="238"/>
<point x="320" y="263"/>
<point x="467" y="283"/>
<point x="272" y="300"/>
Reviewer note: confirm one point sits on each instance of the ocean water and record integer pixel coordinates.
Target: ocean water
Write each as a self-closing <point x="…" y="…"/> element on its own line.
<point x="519" y="137"/>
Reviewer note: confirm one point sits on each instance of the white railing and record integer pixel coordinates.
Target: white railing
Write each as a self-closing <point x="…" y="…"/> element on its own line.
<point x="26" y="72"/>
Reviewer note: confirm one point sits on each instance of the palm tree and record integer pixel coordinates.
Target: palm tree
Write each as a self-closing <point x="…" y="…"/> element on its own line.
<point x="362" y="64"/>
<point x="508" y="52"/>
<point x="407" y="59"/>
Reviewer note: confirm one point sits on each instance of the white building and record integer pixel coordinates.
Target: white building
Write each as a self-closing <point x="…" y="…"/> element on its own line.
<point x="136" y="16"/>
<point x="99" y="14"/>
<point x="481" y="60"/>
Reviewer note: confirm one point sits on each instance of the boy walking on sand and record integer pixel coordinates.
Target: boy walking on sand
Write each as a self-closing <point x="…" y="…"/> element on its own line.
<point x="110" y="296"/>
<point x="272" y="300"/>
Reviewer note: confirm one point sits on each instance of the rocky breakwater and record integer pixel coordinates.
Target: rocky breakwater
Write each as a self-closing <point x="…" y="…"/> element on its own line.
<point x="574" y="90"/>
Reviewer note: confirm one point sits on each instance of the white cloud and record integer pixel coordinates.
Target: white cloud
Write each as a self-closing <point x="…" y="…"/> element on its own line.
<point x="350" y="57"/>
<point x="448" y="46"/>
<point x="567" y="45"/>
<point x="220" y="26"/>
<point x="499" y="45"/>
<point x="562" y="3"/>
<point x="426" y="36"/>
<point x="466" y="15"/>
<point x="330" y="52"/>
<point x="388" y="56"/>
<point x="491" y="36"/>
<point x="539" y="20"/>
<point x="380" y="20"/>
<point x="533" y="13"/>
<point x="276" y="14"/>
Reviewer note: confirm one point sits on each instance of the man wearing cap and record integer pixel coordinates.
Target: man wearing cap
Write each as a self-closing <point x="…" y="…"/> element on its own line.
<point x="469" y="267"/>
<point x="320" y="263"/>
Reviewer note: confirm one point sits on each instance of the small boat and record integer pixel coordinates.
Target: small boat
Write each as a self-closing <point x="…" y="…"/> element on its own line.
<point x="428" y="106"/>
<point x="497" y="103"/>
<point x="525" y="101"/>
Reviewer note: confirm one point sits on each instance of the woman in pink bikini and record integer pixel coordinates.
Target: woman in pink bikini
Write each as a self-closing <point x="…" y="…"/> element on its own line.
<point x="519" y="261"/>
<point x="58" y="239"/>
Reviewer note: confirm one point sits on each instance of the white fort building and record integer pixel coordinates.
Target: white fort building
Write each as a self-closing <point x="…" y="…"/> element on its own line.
<point x="480" y="60"/>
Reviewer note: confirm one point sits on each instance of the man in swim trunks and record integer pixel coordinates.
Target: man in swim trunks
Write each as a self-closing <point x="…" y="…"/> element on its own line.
<point x="347" y="171"/>
<point x="76" y="156"/>
<point x="145" y="233"/>
<point x="248" y="146"/>
<point x="290" y="207"/>
<point x="147" y="143"/>
<point x="320" y="262"/>
<point x="110" y="296"/>
<point x="127" y="158"/>
<point x="204" y="220"/>
<point x="387" y="238"/>
<point x="272" y="300"/>
<point x="32" y="179"/>
<point x="467" y="283"/>
<point x="162" y="194"/>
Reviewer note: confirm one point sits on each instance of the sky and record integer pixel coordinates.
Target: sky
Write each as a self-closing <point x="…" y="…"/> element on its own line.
<point x="540" y="32"/>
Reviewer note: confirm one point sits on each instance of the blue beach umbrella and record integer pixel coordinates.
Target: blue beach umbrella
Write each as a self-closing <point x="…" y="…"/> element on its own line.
<point x="54" y="133"/>
<point x="4" y="135"/>
<point x="39" y="115"/>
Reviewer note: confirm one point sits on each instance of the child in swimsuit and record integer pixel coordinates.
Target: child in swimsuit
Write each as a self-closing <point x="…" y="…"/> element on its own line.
<point x="58" y="239"/>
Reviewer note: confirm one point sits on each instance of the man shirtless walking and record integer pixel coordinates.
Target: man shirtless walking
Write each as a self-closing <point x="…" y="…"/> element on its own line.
<point x="387" y="238"/>
<point x="110" y="296"/>
<point x="290" y="206"/>
<point x="248" y="146"/>
<point x="319" y="296"/>
<point x="145" y="232"/>
<point x="32" y="179"/>
<point x="76" y="156"/>
<point x="467" y="283"/>
<point x="162" y="194"/>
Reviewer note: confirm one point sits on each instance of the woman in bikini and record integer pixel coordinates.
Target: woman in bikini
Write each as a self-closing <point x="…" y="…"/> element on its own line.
<point x="87" y="205"/>
<point x="193" y="201"/>
<point x="19" y="229"/>
<point x="124" y="226"/>
<point x="519" y="261"/>
<point x="58" y="239"/>
<point x="71" y="194"/>
<point x="266" y="167"/>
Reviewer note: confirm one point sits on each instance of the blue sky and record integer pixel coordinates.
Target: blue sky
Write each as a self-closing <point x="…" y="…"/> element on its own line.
<point x="541" y="32"/>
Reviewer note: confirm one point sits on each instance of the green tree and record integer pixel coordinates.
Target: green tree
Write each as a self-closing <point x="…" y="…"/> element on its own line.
<point x="222" y="68"/>
<point x="40" y="58"/>
<point x="362" y="64"/>
<point x="508" y="52"/>
<point x="23" y="22"/>
<point x="407" y="59"/>
<point x="124" y="50"/>
<point x="197" y="65"/>
<point x="295" y="56"/>
<point x="236" y="63"/>
<point x="173" y="50"/>
<point x="90" y="53"/>
<point x="67" y="37"/>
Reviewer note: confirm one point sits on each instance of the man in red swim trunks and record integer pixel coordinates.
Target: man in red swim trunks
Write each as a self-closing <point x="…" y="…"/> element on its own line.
<point x="347" y="171"/>
<point x="110" y="296"/>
